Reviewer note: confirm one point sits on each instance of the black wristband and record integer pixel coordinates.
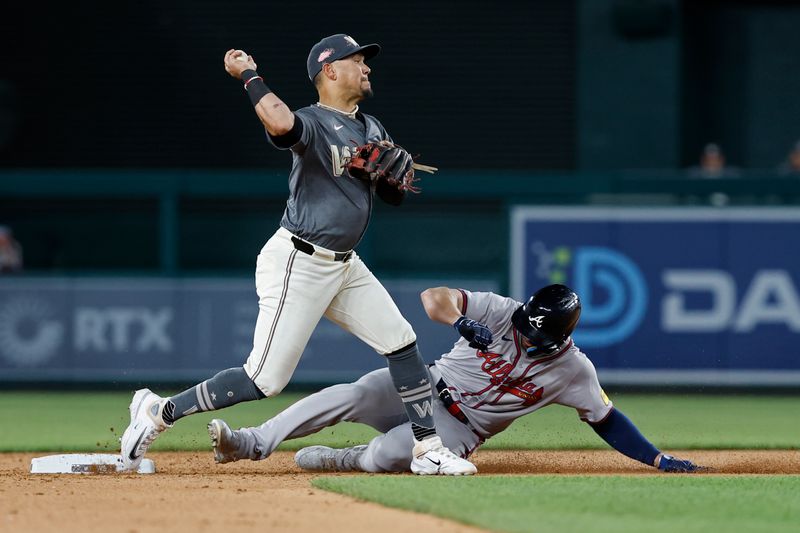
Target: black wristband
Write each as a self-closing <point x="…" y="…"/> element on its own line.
<point x="255" y="86"/>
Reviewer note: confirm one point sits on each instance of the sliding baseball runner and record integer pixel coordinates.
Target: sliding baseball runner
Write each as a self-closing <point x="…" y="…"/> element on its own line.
<point x="512" y="359"/>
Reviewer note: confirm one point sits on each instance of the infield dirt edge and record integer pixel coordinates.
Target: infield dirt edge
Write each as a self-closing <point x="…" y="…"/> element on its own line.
<point x="191" y="493"/>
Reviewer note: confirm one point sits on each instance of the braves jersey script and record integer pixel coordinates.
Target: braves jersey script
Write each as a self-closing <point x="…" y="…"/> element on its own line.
<point x="495" y="387"/>
<point x="326" y="206"/>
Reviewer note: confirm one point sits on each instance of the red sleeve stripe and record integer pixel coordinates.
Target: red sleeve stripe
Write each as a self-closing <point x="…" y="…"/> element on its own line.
<point x="463" y="301"/>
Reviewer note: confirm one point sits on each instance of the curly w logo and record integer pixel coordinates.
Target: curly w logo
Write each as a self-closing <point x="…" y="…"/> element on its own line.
<point x="423" y="409"/>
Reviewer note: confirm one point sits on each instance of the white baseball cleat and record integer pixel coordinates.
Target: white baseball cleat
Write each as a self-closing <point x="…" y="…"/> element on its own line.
<point x="146" y="424"/>
<point x="431" y="457"/>
<point x="324" y="459"/>
<point x="226" y="442"/>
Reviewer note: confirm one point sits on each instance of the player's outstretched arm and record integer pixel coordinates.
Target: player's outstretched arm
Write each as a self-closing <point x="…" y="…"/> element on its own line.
<point x="619" y="432"/>
<point x="276" y="116"/>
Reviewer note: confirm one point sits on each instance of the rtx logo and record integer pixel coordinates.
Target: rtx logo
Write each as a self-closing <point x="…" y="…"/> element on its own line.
<point x="123" y="329"/>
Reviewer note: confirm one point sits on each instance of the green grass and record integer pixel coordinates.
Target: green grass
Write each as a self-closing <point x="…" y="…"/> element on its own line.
<point x="672" y="422"/>
<point x="615" y="504"/>
<point x="93" y="421"/>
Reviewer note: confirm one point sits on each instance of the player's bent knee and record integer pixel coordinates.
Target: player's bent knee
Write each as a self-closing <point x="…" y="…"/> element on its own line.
<point x="401" y="338"/>
<point x="270" y="386"/>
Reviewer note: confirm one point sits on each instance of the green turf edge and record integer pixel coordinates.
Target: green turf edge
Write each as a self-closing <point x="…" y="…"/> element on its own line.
<point x="615" y="504"/>
<point x="93" y="421"/>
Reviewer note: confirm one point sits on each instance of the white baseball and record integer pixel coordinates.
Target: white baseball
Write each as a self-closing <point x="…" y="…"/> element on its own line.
<point x="242" y="56"/>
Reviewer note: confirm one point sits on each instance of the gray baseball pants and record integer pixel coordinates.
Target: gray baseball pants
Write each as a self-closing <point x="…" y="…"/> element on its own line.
<point x="372" y="400"/>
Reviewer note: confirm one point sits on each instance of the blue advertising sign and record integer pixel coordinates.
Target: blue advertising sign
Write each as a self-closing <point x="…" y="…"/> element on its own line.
<point x="672" y="295"/>
<point x="135" y="329"/>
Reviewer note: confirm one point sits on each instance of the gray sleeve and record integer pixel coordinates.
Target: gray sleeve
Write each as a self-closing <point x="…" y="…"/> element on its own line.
<point x="585" y="394"/>
<point x="487" y="308"/>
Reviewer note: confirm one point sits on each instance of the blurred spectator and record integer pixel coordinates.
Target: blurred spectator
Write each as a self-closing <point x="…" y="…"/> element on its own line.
<point x="712" y="164"/>
<point x="792" y="163"/>
<point x="10" y="251"/>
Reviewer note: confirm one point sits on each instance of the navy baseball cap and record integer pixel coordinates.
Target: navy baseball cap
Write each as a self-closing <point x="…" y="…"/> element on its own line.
<point x="336" y="47"/>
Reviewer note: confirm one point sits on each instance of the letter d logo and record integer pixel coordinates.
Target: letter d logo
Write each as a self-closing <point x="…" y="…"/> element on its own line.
<point x="613" y="295"/>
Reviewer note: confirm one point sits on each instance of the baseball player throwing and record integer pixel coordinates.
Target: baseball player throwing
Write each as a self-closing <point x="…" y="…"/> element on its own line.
<point x="512" y="359"/>
<point x="308" y="268"/>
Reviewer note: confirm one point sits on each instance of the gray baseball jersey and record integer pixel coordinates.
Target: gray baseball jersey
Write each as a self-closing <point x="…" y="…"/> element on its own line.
<point x="495" y="387"/>
<point x="326" y="206"/>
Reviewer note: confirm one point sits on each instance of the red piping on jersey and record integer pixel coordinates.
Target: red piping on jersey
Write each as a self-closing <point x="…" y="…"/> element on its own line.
<point x="516" y="360"/>
<point x="513" y="366"/>
<point x="463" y="301"/>
<point x="490" y="385"/>
<point x="521" y="377"/>
<point x="533" y="364"/>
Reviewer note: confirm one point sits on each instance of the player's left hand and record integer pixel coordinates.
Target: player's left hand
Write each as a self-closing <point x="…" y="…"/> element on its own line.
<point x="668" y="463"/>
<point x="388" y="162"/>
<point x="235" y="63"/>
<point x="478" y="335"/>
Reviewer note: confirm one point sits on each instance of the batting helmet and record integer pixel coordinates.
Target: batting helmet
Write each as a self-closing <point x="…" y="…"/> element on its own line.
<point x="549" y="316"/>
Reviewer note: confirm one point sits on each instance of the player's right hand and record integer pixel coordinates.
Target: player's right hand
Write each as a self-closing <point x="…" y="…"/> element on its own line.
<point x="235" y="66"/>
<point x="478" y="335"/>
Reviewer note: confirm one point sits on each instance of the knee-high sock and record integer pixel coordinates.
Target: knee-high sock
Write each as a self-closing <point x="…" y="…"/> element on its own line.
<point x="618" y="430"/>
<point x="227" y="388"/>
<point x="413" y="383"/>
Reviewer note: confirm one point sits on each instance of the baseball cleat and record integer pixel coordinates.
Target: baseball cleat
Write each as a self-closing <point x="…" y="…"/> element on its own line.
<point x="431" y="457"/>
<point x="324" y="459"/>
<point x="226" y="442"/>
<point x="146" y="424"/>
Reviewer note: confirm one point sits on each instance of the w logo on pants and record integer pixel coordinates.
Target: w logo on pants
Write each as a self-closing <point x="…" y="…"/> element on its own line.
<point x="425" y="408"/>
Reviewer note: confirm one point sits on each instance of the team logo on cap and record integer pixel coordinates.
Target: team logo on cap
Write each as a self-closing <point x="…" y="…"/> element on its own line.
<point x="350" y="40"/>
<point x="536" y="321"/>
<point x="325" y="54"/>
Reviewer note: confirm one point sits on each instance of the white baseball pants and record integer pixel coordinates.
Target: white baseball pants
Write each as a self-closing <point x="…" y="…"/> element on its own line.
<point x="296" y="289"/>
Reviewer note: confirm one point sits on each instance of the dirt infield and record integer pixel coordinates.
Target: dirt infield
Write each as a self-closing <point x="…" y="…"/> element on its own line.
<point x="190" y="493"/>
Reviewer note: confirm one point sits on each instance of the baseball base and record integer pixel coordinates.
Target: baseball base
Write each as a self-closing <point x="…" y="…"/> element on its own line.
<point x="85" y="463"/>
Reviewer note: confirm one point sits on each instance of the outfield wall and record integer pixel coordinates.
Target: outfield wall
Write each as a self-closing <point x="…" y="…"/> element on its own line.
<point x="120" y="330"/>
<point x="671" y="296"/>
<point x="680" y="295"/>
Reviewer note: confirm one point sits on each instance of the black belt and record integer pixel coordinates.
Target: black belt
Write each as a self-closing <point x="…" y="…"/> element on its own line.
<point x="450" y="404"/>
<point x="308" y="248"/>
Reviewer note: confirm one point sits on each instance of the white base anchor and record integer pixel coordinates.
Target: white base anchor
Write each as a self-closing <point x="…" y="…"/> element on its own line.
<point x="86" y="463"/>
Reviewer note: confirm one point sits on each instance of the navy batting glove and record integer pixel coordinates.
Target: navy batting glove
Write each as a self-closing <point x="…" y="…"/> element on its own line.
<point x="478" y="335"/>
<point x="667" y="463"/>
